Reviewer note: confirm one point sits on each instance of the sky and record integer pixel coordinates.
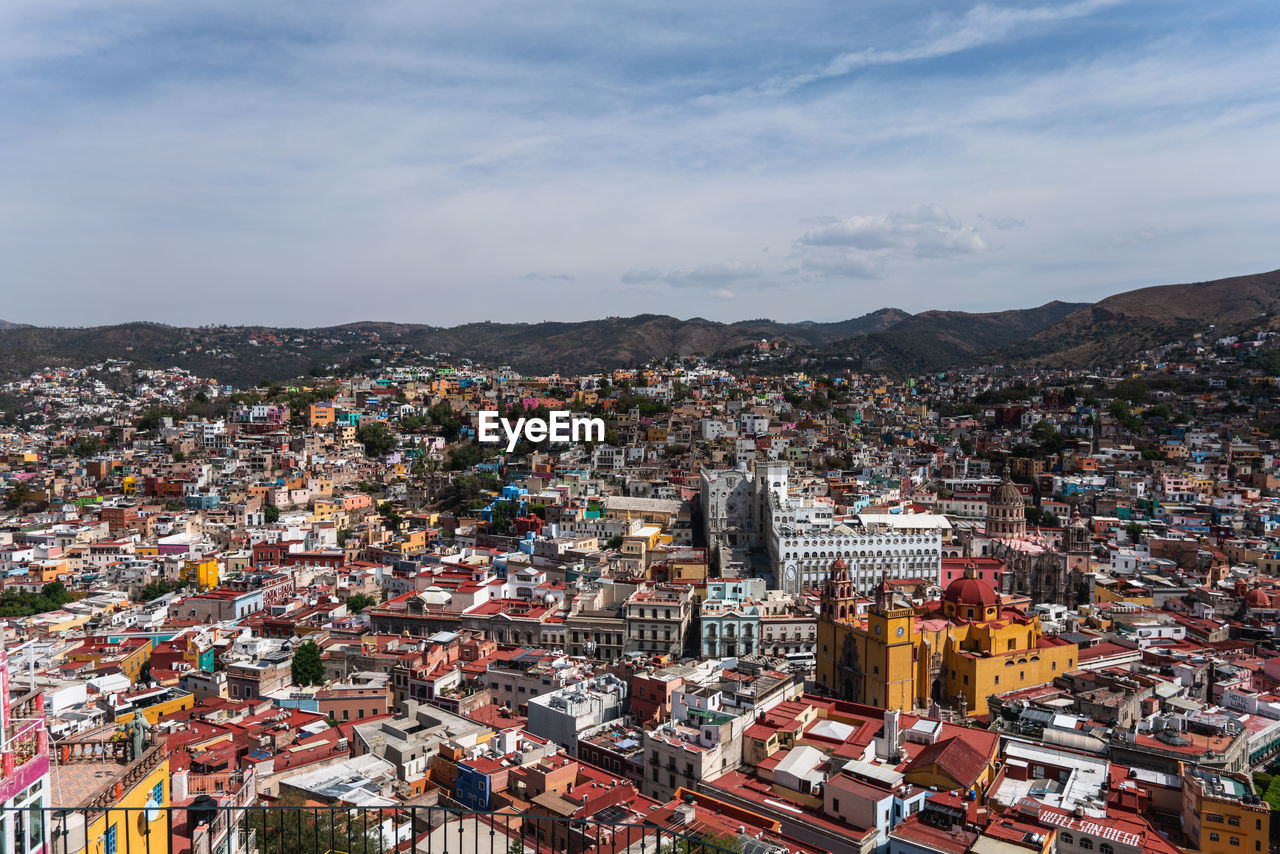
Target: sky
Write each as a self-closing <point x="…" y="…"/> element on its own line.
<point x="311" y="164"/>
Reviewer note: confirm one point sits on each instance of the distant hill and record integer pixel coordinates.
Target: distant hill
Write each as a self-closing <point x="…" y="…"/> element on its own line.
<point x="247" y="355"/>
<point x="936" y="340"/>
<point x="1127" y="323"/>
<point x="1056" y="333"/>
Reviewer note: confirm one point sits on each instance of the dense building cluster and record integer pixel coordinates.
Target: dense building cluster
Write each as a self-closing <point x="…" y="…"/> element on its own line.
<point x="846" y="613"/>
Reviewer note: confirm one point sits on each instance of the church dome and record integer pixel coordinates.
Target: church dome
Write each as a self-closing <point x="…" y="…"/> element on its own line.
<point x="1257" y="598"/>
<point x="1006" y="494"/>
<point x="970" y="592"/>
<point x="839" y="564"/>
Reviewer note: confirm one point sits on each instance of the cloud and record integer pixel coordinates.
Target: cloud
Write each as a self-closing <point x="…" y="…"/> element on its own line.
<point x="722" y="293"/>
<point x="549" y="277"/>
<point x="713" y="277"/>
<point x="1136" y="237"/>
<point x="1002" y="223"/>
<point x="273" y="152"/>
<point x="862" y="246"/>
<point x="981" y="25"/>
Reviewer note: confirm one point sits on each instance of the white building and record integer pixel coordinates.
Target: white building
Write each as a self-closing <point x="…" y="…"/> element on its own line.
<point x="804" y="539"/>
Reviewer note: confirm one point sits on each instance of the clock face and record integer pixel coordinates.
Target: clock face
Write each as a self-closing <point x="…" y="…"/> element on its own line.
<point x="901" y="631"/>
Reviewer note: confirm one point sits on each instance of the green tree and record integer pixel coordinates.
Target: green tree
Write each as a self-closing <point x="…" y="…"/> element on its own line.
<point x="357" y="602"/>
<point x="442" y="416"/>
<point x="388" y="511"/>
<point x="1133" y="390"/>
<point x="464" y="457"/>
<point x="19" y="494"/>
<point x="271" y="514"/>
<point x="156" y="589"/>
<point x="377" y="438"/>
<point x="1134" y="531"/>
<point x="86" y="447"/>
<point x="307" y="668"/>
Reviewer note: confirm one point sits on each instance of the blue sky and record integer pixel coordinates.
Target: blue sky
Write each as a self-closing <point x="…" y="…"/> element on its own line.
<point x="311" y="164"/>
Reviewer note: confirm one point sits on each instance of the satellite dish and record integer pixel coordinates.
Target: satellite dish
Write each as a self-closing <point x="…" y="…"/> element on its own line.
<point x="151" y="809"/>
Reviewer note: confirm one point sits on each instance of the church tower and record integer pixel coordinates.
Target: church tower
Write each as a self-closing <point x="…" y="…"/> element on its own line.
<point x="837" y="602"/>
<point x="1006" y="511"/>
<point x="1076" y="544"/>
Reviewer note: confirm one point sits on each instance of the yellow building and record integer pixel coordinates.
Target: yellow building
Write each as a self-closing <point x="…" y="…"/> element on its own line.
<point x="170" y="700"/>
<point x="111" y="784"/>
<point x="1219" y="815"/>
<point x="203" y="571"/>
<point x="901" y="657"/>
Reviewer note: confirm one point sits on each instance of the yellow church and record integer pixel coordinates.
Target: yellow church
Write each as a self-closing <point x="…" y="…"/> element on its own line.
<point x="957" y="652"/>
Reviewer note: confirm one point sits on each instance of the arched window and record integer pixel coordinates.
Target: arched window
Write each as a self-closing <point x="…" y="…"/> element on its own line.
<point x="1086" y="844"/>
<point x="1066" y="838"/>
<point x="1106" y="848"/>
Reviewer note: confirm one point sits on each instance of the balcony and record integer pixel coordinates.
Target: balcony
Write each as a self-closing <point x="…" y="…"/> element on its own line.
<point x="24" y="745"/>
<point x="357" y="830"/>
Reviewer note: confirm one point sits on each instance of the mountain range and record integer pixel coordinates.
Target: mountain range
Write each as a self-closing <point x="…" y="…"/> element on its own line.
<point x="1056" y="333"/>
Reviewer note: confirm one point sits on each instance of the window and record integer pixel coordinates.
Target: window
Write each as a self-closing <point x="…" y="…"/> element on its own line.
<point x="997" y="678"/>
<point x="1213" y="837"/>
<point x="1233" y="820"/>
<point x="157" y="794"/>
<point x="1086" y="843"/>
<point x="110" y="845"/>
<point x="1066" y="838"/>
<point x="1235" y="840"/>
<point x="1106" y="848"/>
<point x="1214" y="817"/>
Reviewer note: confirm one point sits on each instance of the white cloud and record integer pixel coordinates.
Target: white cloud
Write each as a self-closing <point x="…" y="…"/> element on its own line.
<point x="713" y="276"/>
<point x="1135" y="237"/>
<point x="862" y="246"/>
<point x="1002" y="223"/>
<point x="981" y="25"/>
<point x="549" y="277"/>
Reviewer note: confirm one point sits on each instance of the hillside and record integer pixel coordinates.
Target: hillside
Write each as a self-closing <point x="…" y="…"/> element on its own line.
<point x="1125" y="324"/>
<point x="247" y="355"/>
<point x="1056" y="333"/>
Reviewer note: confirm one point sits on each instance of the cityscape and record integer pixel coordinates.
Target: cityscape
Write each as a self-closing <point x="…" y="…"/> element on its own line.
<point x="757" y="611"/>
<point x="640" y="427"/>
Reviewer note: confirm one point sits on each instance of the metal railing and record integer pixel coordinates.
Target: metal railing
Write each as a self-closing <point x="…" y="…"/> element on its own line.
<point x="346" y="829"/>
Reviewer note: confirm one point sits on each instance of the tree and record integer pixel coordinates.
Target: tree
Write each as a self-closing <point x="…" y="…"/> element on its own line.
<point x="86" y="447"/>
<point x="377" y="438"/>
<point x="19" y="494"/>
<point x="357" y="602"/>
<point x="388" y="511"/>
<point x="614" y="542"/>
<point x="464" y="457"/>
<point x="1134" y="531"/>
<point x="156" y="589"/>
<point x="271" y="514"/>
<point x="307" y="669"/>
<point x="442" y="416"/>
<point x="1134" y="391"/>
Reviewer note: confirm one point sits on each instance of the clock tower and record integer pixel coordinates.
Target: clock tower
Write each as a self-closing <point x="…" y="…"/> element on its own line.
<point x="872" y="663"/>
